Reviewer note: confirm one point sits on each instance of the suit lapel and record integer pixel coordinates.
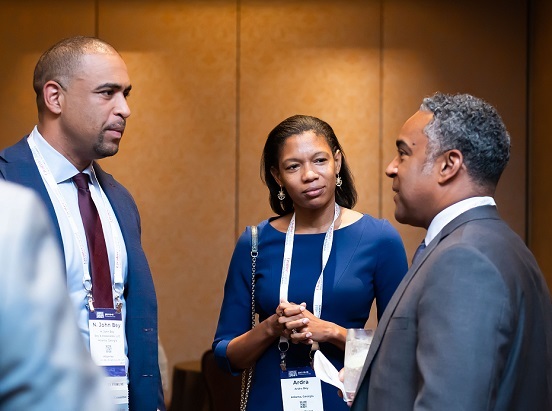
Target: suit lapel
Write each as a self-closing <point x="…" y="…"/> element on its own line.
<point x="392" y="305"/>
<point x="109" y="188"/>
<point x="21" y="168"/>
<point x="119" y="203"/>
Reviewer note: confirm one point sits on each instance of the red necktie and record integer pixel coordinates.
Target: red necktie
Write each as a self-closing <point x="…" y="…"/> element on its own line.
<point x="97" y="250"/>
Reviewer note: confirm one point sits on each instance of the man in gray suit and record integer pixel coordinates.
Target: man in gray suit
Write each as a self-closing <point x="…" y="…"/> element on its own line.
<point x="470" y="326"/>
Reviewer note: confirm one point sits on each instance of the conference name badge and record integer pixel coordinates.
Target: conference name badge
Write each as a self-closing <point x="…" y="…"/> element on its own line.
<point x="107" y="348"/>
<point x="301" y="390"/>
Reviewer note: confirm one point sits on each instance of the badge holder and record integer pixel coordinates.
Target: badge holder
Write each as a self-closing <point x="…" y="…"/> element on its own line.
<point x="107" y="348"/>
<point x="301" y="388"/>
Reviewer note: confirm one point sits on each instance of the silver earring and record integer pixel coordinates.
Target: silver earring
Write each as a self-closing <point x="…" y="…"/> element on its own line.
<point x="338" y="181"/>
<point x="281" y="194"/>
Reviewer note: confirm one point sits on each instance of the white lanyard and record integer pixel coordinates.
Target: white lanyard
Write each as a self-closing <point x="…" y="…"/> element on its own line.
<point x="45" y="172"/>
<point x="286" y="268"/>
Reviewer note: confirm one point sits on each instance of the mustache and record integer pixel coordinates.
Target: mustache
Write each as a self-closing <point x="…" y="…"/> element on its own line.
<point x="118" y="125"/>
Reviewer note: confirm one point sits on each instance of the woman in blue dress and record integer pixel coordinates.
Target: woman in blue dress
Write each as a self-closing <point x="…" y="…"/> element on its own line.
<point x="336" y="262"/>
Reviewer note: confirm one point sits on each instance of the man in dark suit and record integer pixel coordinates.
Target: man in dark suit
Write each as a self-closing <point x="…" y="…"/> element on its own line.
<point x="82" y="86"/>
<point x="470" y="326"/>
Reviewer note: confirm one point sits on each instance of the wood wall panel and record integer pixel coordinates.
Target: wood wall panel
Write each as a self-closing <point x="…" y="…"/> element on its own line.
<point x="178" y="154"/>
<point x="430" y="46"/>
<point x="319" y="58"/>
<point x="27" y="29"/>
<point x="541" y="112"/>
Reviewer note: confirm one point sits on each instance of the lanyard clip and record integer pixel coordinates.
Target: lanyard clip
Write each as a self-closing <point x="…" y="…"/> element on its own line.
<point x="118" y="305"/>
<point x="283" y="361"/>
<point x="283" y="346"/>
<point x="90" y="304"/>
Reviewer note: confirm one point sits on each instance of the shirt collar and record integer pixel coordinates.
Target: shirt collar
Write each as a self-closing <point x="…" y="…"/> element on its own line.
<point x="61" y="168"/>
<point x="453" y="211"/>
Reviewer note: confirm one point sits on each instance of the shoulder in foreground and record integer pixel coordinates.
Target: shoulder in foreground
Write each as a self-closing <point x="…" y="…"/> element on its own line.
<point x="13" y="196"/>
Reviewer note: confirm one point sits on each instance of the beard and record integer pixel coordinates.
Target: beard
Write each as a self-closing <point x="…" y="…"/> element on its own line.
<point x="105" y="149"/>
<point x="108" y="148"/>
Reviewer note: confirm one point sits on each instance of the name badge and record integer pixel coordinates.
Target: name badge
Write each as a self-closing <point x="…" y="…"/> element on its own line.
<point x="301" y="390"/>
<point x="107" y="348"/>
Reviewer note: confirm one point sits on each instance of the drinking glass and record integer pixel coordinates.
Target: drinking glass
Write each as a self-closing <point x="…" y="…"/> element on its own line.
<point x="357" y="345"/>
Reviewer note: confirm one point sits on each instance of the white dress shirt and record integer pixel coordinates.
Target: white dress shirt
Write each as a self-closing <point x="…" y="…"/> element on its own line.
<point x="451" y="212"/>
<point x="63" y="170"/>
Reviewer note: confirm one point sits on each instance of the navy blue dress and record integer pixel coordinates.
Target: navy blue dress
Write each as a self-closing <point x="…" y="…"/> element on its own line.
<point x="367" y="261"/>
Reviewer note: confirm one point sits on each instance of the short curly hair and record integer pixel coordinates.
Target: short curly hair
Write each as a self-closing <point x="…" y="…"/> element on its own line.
<point x="472" y="126"/>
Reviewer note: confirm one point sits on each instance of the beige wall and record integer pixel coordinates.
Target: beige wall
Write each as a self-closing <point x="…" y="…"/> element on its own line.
<point x="540" y="116"/>
<point x="23" y="40"/>
<point x="178" y="156"/>
<point x="445" y="46"/>
<point x="316" y="58"/>
<point x="211" y="79"/>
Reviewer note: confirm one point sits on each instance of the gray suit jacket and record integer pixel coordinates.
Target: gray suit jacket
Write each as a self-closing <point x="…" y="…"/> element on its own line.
<point x="469" y="328"/>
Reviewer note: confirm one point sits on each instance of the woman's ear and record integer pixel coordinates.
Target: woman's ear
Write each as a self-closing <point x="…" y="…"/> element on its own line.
<point x="276" y="174"/>
<point x="52" y="92"/>
<point x="337" y="158"/>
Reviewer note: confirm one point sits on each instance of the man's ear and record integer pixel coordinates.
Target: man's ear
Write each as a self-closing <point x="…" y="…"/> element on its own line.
<point x="52" y="93"/>
<point x="450" y="164"/>
<point x="276" y="174"/>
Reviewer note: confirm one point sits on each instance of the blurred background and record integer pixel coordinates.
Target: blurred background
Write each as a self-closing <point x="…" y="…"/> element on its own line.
<point x="212" y="78"/>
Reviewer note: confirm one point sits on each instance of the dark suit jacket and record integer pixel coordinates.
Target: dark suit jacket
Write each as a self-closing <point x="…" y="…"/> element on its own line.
<point x="145" y="390"/>
<point x="469" y="328"/>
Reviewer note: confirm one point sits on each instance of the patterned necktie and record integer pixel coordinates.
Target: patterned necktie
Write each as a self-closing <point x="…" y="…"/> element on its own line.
<point x="418" y="252"/>
<point x="97" y="250"/>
